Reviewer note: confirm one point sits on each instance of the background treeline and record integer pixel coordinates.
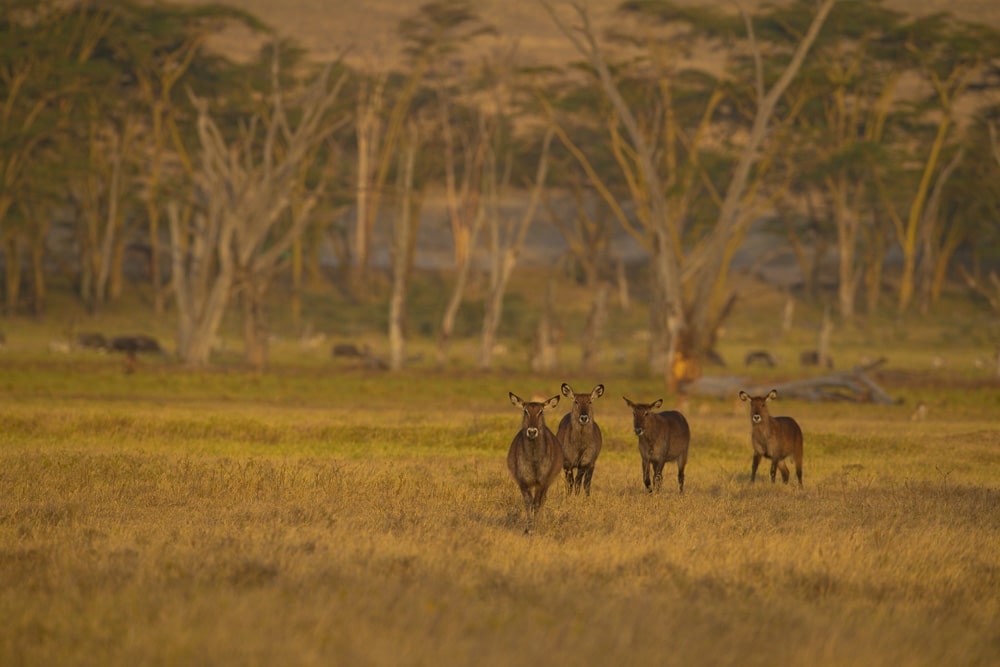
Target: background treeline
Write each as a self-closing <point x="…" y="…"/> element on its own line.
<point x="856" y="134"/>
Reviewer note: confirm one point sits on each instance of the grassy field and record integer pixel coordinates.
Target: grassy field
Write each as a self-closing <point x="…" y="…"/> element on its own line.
<point x="319" y="514"/>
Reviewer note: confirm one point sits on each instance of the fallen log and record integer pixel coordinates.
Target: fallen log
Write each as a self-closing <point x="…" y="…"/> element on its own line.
<point x="853" y="385"/>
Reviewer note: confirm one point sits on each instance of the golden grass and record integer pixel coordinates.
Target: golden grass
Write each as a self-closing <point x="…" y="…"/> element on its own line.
<point x="341" y="530"/>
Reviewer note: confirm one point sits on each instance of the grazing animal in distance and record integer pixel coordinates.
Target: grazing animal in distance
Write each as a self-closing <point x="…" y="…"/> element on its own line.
<point x="812" y="358"/>
<point x="535" y="457"/>
<point x="663" y="436"/>
<point x="774" y="438"/>
<point x="135" y="344"/>
<point x="580" y="438"/>
<point x="92" y="341"/>
<point x="762" y="357"/>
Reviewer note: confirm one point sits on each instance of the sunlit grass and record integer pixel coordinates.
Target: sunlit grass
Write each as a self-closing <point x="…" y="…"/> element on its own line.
<point x="295" y="518"/>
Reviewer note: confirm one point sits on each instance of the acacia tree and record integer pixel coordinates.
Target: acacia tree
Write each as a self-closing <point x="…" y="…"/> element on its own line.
<point x="237" y="226"/>
<point x="46" y="66"/>
<point x="847" y="89"/>
<point x="436" y="31"/>
<point x="951" y="56"/>
<point x="688" y="282"/>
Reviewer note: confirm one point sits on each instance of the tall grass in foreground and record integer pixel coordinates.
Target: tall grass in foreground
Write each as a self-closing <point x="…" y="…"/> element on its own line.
<point x="259" y="531"/>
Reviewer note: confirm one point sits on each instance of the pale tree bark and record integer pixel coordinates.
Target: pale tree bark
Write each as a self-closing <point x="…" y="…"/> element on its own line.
<point x="203" y="274"/>
<point x="237" y="238"/>
<point x="545" y="357"/>
<point x="506" y="241"/>
<point x="368" y="129"/>
<point x="404" y="227"/>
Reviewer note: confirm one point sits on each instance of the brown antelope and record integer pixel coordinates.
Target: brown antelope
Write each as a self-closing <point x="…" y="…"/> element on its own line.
<point x="580" y="438"/>
<point x="663" y="436"/>
<point x="535" y="457"/>
<point x="774" y="438"/>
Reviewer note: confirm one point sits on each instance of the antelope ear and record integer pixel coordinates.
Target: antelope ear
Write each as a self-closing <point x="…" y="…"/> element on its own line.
<point x="516" y="400"/>
<point x="744" y="396"/>
<point x="773" y="394"/>
<point x="627" y="401"/>
<point x="598" y="392"/>
<point x="552" y="402"/>
<point x="657" y="404"/>
<point x="567" y="391"/>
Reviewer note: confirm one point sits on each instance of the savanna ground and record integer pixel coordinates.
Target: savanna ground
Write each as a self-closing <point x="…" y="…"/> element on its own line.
<point x="323" y="514"/>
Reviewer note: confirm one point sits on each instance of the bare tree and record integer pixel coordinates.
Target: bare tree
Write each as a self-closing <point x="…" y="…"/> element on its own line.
<point x="237" y="228"/>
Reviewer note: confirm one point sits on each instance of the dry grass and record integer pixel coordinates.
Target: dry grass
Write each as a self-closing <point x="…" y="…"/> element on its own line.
<point x="361" y="531"/>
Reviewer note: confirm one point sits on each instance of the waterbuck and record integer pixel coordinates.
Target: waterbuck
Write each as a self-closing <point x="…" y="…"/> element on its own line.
<point x="774" y="438"/>
<point x="535" y="457"/>
<point x="663" y="436"/>
<point x="580" y="438"/>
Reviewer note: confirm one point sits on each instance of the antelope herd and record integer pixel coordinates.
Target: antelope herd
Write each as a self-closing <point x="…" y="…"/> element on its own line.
<point x="537" y="454"/>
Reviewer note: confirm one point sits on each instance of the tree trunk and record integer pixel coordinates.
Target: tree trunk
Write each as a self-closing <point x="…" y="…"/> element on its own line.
<point x="847" y="222"/>
<point x="38" y="247"/>
<point x="296" y="301"/>
<point x="621" y="276"/>
<point x="823" y="342"/>
<point x="155" y="279"/>
<point x="203" y="279"/>
<point x="401" y="256"/>
<point x="457" y="292"/>
<point x="255" y="343"/>
<point x="874" y="263"/>
<point x="13" y="274"/>
<point x="545" y="359"/>
<point x="594" y="329"/>
<point x="787" y="316"/>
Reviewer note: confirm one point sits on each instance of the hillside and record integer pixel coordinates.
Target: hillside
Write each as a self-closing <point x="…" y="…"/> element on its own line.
<point x="367" y="28"/>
